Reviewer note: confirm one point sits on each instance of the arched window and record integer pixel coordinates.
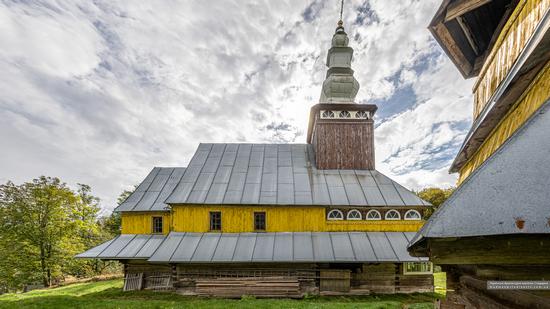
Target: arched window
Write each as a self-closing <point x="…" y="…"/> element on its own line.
<point x="392" y="214"/>
<point x="354" y="214"/>
<point x="335" y="214"/>
<point x="327" y="114"/>
<point x="344" y="114"/>
<point x="412" y="215"/>
<point x="362" y="114"/>
<point x="374" y="215"/>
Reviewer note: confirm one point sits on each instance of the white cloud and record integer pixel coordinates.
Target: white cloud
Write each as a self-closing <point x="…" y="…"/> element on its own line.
<point x="100" y="92"/>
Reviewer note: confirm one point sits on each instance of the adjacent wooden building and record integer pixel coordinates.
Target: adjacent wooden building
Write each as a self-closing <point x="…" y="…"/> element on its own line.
<point x="496" y="225"/>
<point x="278" y="220"/>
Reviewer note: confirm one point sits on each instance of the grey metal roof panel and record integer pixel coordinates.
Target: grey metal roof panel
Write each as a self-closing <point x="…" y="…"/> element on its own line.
<point x="283" y="249"/>
<point x="178" y="247"/>
<point x="151" y="193"/>
<point x="512" y="183"/>
<point x="302" y="246"/>
<point x="226" y="247"/>
<point x="245" y="247"/>
<point x="206" y="247"/>
<point x="95" y="251"/>
<point x="362" y="247"/>
<point x="116" y="246"/>
<point x="322" y="247"/>
<point x="399" y="245"/>
<point x="381" y="246"/>
<point x="263" y="250"/>
<point x="166" y="249"/>
<point x="281" y="170"/>
<point x="186" y="248"/>
<point x="149" y="247"/>
<point x="133" y="247"/>
<point x="343" y="249"/>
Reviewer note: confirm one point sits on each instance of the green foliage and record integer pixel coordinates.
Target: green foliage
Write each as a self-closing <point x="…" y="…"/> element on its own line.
<point x="436" y="196"/>
<point x="108" y="294"/>
<point x="43" y="224"/>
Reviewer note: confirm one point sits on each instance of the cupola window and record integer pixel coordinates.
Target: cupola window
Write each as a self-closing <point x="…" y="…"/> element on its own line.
<point x="344" y="114"/>
<point x="327" y="114"/>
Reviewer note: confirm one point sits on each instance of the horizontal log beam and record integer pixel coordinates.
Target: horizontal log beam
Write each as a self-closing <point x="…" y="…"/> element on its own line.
<point x="461" y="7"/>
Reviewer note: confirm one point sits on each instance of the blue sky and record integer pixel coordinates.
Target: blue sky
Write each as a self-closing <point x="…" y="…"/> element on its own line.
<point x="99" y="92"/>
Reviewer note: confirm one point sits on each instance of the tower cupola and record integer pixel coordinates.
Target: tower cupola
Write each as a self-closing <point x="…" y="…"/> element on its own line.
<point x="339" y="86"/>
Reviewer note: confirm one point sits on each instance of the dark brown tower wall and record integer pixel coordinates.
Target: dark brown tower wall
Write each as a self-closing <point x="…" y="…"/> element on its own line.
<point x="342" y="143"/>
<point x="346" y="145"/>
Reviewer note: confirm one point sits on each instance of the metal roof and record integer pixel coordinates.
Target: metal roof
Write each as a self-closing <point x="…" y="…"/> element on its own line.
<point x="125" y="246"/>
<point x="281" y="174"/>
<point x="155" y="188"/>
<point x="259" y="247"/>
<point x="514" y="183"/>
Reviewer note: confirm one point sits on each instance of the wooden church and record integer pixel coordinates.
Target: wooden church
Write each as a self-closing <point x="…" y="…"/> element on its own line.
<point x="496" y="225"/>
<point x="278" y="220"/>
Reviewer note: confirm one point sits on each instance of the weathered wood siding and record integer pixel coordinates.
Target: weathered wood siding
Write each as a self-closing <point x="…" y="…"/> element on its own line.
<point x="533" y="98"/>
<point x="142" y="222"/>
<point x="509" y="45"/>
<point x="236" y="219"/>
<point x="344" y="144"/>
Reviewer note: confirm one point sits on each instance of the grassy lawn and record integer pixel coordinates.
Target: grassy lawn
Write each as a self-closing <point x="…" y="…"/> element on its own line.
<point x="108" y="294"/>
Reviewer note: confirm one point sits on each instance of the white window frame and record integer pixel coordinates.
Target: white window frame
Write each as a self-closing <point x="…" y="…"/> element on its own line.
<point x="430" y="267"/>
<point x="413" y="211"/>
<point x="335" y="211"/>
<point x="390" y="211"/>
<point x="354" y="211"/>
<point x="375" y="211"/>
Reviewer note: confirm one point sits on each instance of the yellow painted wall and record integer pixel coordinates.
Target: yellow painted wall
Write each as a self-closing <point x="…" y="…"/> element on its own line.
<point x="237" y="219"/>
<point x="142" y="222"/>
<point x="536" y="94"/>
<point x="511" y="41"/>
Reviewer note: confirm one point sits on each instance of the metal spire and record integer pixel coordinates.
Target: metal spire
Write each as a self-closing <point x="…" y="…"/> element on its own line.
<point x="340" y="22"/>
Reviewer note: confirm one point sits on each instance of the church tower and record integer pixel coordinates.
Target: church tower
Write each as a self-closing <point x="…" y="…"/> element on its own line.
<point x="341" y="131"/>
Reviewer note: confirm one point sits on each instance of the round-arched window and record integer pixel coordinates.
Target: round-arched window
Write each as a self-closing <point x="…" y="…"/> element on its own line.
<point x="354" y="214"/>
<point x="392" y="214"/>
<point x="344" y="114"/>
<point x="362" y="114"/>
<point x="374" y="215"/>
<point x="335" y="214"/>
<point x="328" y="114"/>
<point x="412" y="215"/>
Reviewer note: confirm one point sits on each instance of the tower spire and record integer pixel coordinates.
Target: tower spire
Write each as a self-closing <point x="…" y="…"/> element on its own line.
<point x="339" y="86"/>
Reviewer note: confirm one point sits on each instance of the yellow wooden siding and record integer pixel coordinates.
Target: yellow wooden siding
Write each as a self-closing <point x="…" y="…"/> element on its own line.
<point x="537" y="93"/>
<point x="237" y="219"/>
<point x="142" y="222"/>
<point x="510" y="43"/>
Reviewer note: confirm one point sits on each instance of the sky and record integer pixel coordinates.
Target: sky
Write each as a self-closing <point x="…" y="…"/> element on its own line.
<point x="99" y="92"/>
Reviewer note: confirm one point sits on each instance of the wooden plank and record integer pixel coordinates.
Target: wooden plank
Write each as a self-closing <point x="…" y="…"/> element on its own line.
<point x="468" y="33"/>
<point x="461" y="7"/>
<point x="454" y="52"/>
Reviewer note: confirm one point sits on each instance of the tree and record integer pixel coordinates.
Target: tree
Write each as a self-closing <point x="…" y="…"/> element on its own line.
<point x="436" y="197"/>
<point x="112" y="223"/>
<point x="43" y="224"/>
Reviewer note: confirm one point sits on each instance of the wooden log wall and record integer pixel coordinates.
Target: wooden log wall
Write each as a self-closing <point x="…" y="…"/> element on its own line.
<point x="468" y="286"/>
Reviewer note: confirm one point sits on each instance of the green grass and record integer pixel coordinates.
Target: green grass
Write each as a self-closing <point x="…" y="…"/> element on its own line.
<point x="108" y="294"/>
